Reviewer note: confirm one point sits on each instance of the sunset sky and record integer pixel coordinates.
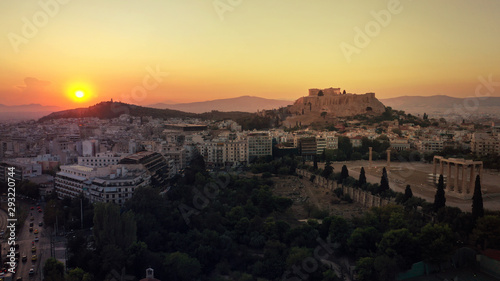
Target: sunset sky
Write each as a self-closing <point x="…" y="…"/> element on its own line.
<point x="206" y="49"/>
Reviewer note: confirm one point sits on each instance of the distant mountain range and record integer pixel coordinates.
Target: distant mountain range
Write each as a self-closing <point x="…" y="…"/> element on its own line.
<point x="108" y="110"/>
<point x="25" y="112"/>
<point x="440" y="105"/>
<point x="417" y="105"/>
<point x="242" y="104"/>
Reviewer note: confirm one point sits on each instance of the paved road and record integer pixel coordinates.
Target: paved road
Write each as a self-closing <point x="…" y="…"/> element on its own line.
<point x="26" y="241"/>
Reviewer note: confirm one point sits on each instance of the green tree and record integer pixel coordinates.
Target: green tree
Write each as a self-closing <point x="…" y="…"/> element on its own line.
<point x="436" y="242"/>
<point x="345" y="146"/>
<point x="363" y="241"/>
<point x="362" y="177"/>
<point x="180" y="267"/>
<point x="78" y="274"/>
<point x="53" y="270"/>
<point x="439" y="198"/>
<point x="113" y="228"/>
<point x="384" y="182"/>
<point x="344" y="174"/>
<point x="340" y="231"/>
<point x="328" y="170"/>
<point x="487" y="232"/>
<point x="477" y="201"/>
<point x="408" y="193"/>
<point x="365" y="269"/>
<point x="400" y="245"/>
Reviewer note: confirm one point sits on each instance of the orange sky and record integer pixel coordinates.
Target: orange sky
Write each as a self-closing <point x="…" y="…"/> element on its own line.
<point x="144" y="52"/>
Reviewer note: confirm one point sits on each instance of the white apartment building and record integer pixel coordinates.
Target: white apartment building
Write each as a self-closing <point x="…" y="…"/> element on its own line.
<point x="484" y="143"/>
<point x="220" y="153"/>
<point x="320" y="144"/>
<point x="259" y="144"/>
<point x="90" y="147"/>
<point x="100" y="159"/>
<point x="107" y="184"/>
<point x="430" y="145"/>
<point x="72" y="180"/>
<point x="117" y="187"/>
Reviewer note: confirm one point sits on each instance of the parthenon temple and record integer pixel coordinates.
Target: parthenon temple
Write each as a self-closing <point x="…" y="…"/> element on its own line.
<point x="457" y="178"/>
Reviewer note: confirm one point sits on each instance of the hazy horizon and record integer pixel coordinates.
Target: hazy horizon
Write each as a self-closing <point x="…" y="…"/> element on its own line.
<point x="190" y="51"/>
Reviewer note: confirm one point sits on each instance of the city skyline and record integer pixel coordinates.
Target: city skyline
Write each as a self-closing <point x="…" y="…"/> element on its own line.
<point x="187" y="51"/>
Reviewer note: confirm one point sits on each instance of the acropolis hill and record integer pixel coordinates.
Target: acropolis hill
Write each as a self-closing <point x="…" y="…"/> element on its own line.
<point x="336" y="104"/>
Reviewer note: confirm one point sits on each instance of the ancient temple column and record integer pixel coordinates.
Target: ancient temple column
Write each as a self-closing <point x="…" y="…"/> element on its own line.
<point x="370" y="156"/>
<point x="434" y="167"/>
<point x="441" y="167"/>
<point x="464" y="177"/>
<point x="472" y="178"/>
<point x="456" y="179"/>
<point x="448" y="176"/>
<point x="388" y="157"/>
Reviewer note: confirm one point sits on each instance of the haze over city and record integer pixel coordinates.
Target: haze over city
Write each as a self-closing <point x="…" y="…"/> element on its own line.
<point x="77" y="53"/>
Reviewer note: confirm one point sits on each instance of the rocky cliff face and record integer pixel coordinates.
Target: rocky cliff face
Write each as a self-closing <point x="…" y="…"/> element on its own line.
<point x="337" y="105"/>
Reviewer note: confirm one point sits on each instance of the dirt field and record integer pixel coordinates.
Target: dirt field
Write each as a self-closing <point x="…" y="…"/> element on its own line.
<point x="302" y="191"/>
<point x="416" y="174"/>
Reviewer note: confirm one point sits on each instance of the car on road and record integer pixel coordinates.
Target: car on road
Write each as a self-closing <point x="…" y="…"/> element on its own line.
<point x="31" y="229"/>
<point x="32" y="218"/>
<point x="36" y="231"/>
<point x="33" y="249"/>
<point x="40" y="210"/>
<point x="19" y="279"/>
<point x="40" y="223"/>
<point x="36" y="239"/>
<point x="32" y="208"/>
<point x="24" y="258"/>
<point x="31" y="224"/>
<point x="34" y="258"/>
<point x="32" y="271"/>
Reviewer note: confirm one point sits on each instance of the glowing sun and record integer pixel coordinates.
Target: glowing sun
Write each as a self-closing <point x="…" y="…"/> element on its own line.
<point x="79" y="94"/>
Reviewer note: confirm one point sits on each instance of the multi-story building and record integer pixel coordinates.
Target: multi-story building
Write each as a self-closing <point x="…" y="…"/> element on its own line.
<point x="119" y="186"/>
<point x="114" y="184"/>
<point x="400" y="144"/>
<point x="90" y="147"/>
<point x="73" y="180"/>
<point x="484" y="143"/>
<point x="259" y="144"/>
<point x="100" y="159"/>
<point x="153" y="162"/>
<point x="307" y="147"/>
<point x="332" y="142"/>
<point x="320" y="144"/>
<point x="356" y="141"/>
<point x="425" y="146"/>
<point x="23" y="169"/>
<point x="221" y="153"/>
<point x="177" y="154"/>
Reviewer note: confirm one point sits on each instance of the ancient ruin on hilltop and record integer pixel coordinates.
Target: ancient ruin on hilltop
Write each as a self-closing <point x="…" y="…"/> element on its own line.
<point x="335" y="103"/>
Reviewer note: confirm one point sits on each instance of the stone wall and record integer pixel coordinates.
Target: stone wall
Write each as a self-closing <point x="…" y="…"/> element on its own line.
<point x="357" y="195"/>
<point x="337" y="105"/>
